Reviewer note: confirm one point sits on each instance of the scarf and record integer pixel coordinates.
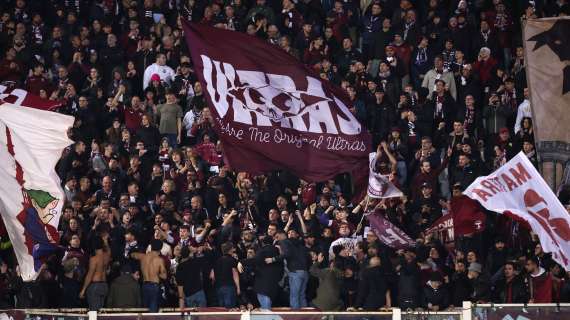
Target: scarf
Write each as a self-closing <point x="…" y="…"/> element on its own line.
<point x="407" y="27"/>
<point x="411" y="129"/>
<point x="485" y="35"/>
<point x="384" y="75"/>
<point x="469" y="117"/>
<point x="421" y="57"/>
<point x="438" y="112"/>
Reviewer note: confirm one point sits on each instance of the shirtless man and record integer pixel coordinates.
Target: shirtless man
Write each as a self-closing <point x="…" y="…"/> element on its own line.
<point x="153" y="270"/>
<point x="95" y="285"/>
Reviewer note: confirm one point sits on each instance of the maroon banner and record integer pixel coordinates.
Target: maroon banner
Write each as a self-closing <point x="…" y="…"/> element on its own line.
<point x="271" y="112"/>
<point x="468" y="218"/>
<point x="444" y="228"/>
<point x="24" y="98"/>
<point x="520" y="313"/>
<point x="388" y="233"/>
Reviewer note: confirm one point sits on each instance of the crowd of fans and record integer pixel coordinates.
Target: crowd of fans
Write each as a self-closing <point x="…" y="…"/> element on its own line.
<point x="155" y="218"/>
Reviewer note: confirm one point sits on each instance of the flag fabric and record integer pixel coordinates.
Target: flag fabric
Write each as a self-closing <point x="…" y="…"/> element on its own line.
<point x="444" y="228"/>
<point x="31" y="198"/>
<point x="547" y="53"/>
<point x="519" y="189"/>
<point x="24" y="98"/>
<point x="468" y="218"/>
<point x="388" y="233"/>
<point x="270" y="111"/>
<point x="379" y="185"/>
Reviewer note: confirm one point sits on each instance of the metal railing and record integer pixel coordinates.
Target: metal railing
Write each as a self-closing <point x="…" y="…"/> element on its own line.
<point x="468" y="311"/>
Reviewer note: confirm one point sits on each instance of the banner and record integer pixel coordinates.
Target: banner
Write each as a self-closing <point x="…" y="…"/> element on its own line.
<point x="270" y="111"/>
<point x="388" y="233"/>
<point x="505" y="312"/>
<point x="24" y="98"/>
<point x="31" y="198"/>
<point x="518" y="188"/>
<point x="379" y="185"/>
<point x="547" y="51"/>
<point x="444" y="228"/>
<point x="468" y="218"/>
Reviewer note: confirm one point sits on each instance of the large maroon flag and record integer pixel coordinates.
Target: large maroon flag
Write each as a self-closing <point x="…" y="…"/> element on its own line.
<point x="271" y="112"/>
<point x="24" y="98"/>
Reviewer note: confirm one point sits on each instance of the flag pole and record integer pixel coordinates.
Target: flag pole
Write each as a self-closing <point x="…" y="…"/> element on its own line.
<point x="363" y="215"/>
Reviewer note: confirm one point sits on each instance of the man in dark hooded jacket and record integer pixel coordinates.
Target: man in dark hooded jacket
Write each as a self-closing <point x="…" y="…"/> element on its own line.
<point x="125" y="291"/>
<point x="373" y="292"/>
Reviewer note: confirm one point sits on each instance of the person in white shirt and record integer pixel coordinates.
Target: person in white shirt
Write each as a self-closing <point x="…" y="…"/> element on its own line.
<point x="523" y="111"/>
<point x="165" y="72"/>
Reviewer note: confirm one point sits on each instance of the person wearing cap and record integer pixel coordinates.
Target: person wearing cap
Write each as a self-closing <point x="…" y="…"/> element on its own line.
<point x="464" y="172"/>
<point x="479" y="282"/>
<point x="495" y="114"/>
<point x="426" y="207"/>
<point x="165" y="73"/>
<point x="125" y="291"/>
<point x="435" y="294"/>
<point x="505" y="142"/>
<point x="381" y="115"/>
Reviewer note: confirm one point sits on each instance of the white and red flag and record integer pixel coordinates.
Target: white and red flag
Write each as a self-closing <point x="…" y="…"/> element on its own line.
<point x="518" y="189"/>
<point x="24" y="98"/>
<point x="31" y="198"/>
<point x="379" y="185"/>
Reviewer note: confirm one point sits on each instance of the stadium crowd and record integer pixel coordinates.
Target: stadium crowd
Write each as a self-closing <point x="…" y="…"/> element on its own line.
<point x="155" y="218"/>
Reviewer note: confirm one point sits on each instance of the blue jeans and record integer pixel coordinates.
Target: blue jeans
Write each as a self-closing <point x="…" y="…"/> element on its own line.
<point x="172" y="137"/>
<point x="297" y="287"/>
<point x="264" y="301"/>
<point x="227" y="296"/>
<point x="151" y="296"/>
<point x="198" y="299"/>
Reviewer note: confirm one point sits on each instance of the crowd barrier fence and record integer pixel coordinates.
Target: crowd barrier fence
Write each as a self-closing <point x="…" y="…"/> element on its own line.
<point x="468" y="311"/>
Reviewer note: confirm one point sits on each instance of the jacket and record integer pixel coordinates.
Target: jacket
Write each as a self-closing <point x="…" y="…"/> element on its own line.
<point x="296" y="255"/>
<point x="435" y="297"/>
<point x="125" y="292"/>
<point x="372" y="289"/>
<point x="514" y="291"/>
<point x="267" y="276"/>
<point x="328" y="293"/>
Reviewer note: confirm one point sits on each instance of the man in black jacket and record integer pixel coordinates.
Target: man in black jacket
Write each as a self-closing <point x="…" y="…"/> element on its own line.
<point x="189" y="279"/>
<point x="409" y="281"/>
<point x="511" y="288"/>
<point x="298" y="260"/>
<point x="373" y="292"/>
<point x="268" y="273"/>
